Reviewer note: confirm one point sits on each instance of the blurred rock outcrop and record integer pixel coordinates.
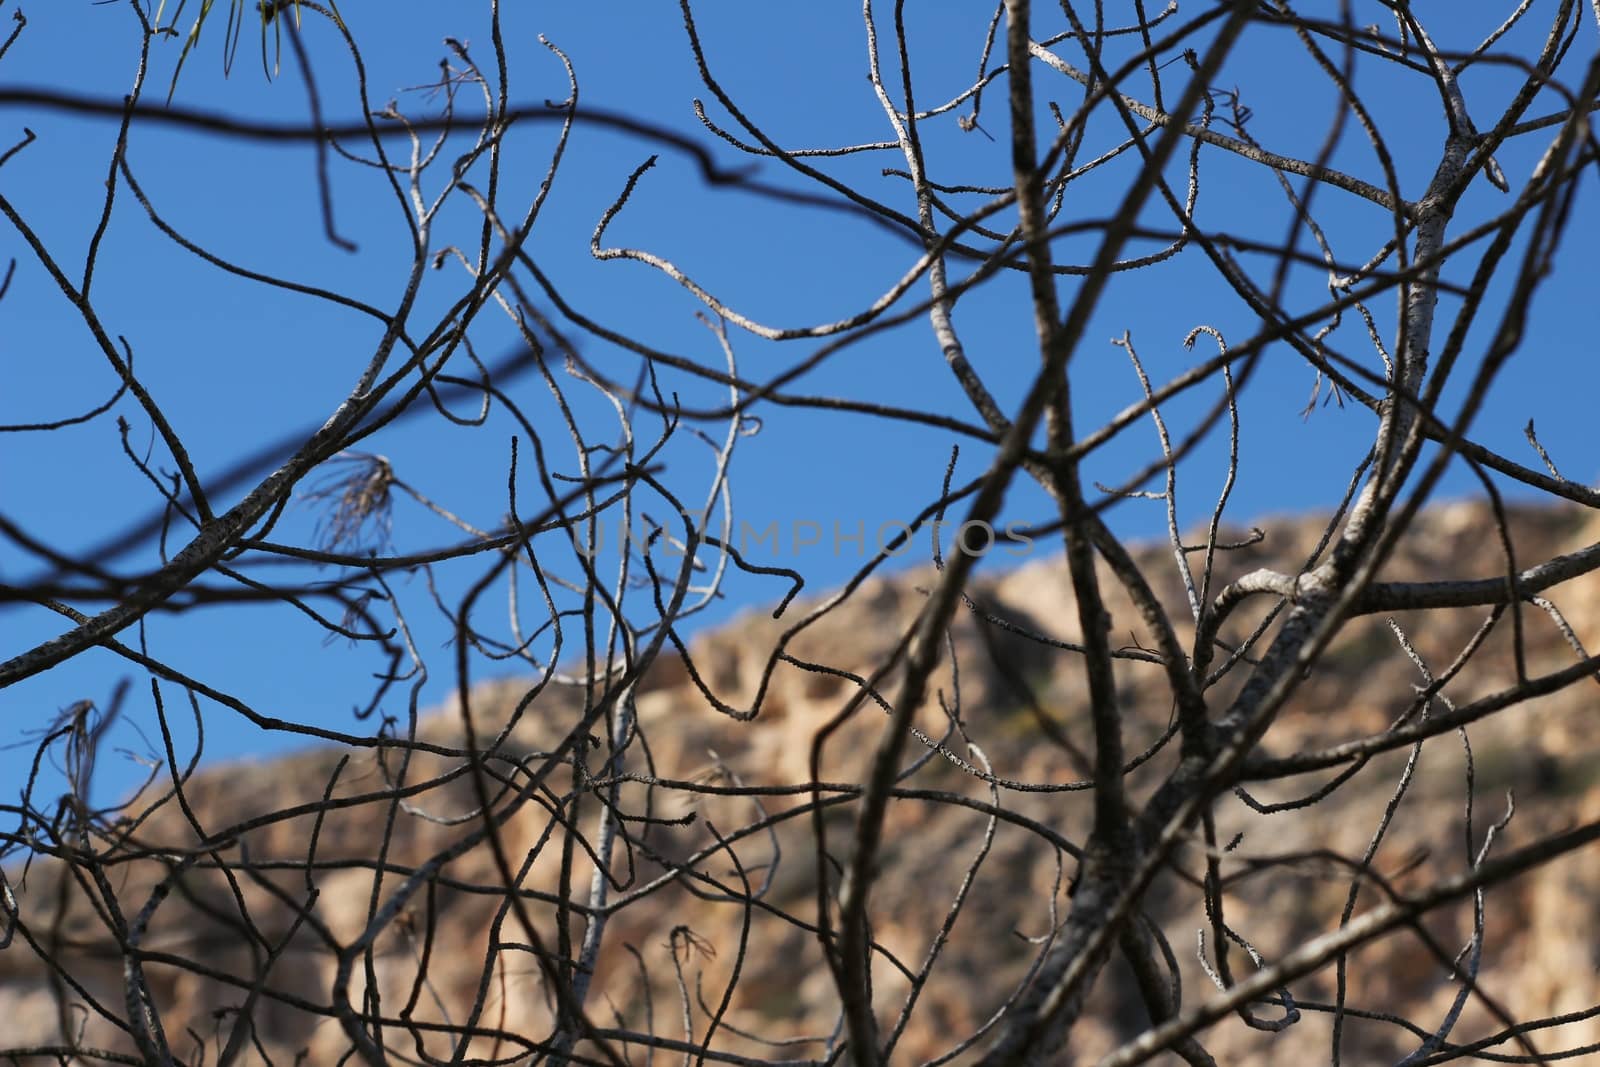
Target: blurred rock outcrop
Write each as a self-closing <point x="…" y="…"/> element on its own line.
<point x="310" y="884"/>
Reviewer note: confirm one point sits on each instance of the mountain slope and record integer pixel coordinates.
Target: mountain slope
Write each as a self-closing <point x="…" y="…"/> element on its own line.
<point x="261" y="914"/>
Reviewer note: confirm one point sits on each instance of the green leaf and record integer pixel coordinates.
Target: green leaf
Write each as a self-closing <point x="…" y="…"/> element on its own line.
<point x="269" y="10"/>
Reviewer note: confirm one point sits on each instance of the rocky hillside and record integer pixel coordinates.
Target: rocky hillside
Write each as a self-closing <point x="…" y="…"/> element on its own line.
<point x="714" y="891"/>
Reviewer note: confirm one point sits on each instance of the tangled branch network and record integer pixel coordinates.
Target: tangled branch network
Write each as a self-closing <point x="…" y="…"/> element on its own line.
<point x="942" y="814"/>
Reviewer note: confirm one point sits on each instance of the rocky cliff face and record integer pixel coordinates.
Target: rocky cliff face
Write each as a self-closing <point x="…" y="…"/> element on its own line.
<point x="266" y="917"/>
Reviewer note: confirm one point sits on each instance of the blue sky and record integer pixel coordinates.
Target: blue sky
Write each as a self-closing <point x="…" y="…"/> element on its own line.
<point x="235" y="365"/>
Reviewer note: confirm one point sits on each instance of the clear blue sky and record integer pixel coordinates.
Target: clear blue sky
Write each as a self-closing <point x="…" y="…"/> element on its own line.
<point x="235" y="365"/>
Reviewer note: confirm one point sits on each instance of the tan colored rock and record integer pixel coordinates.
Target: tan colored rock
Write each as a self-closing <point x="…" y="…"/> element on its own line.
<point x="1539" y="956"/>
